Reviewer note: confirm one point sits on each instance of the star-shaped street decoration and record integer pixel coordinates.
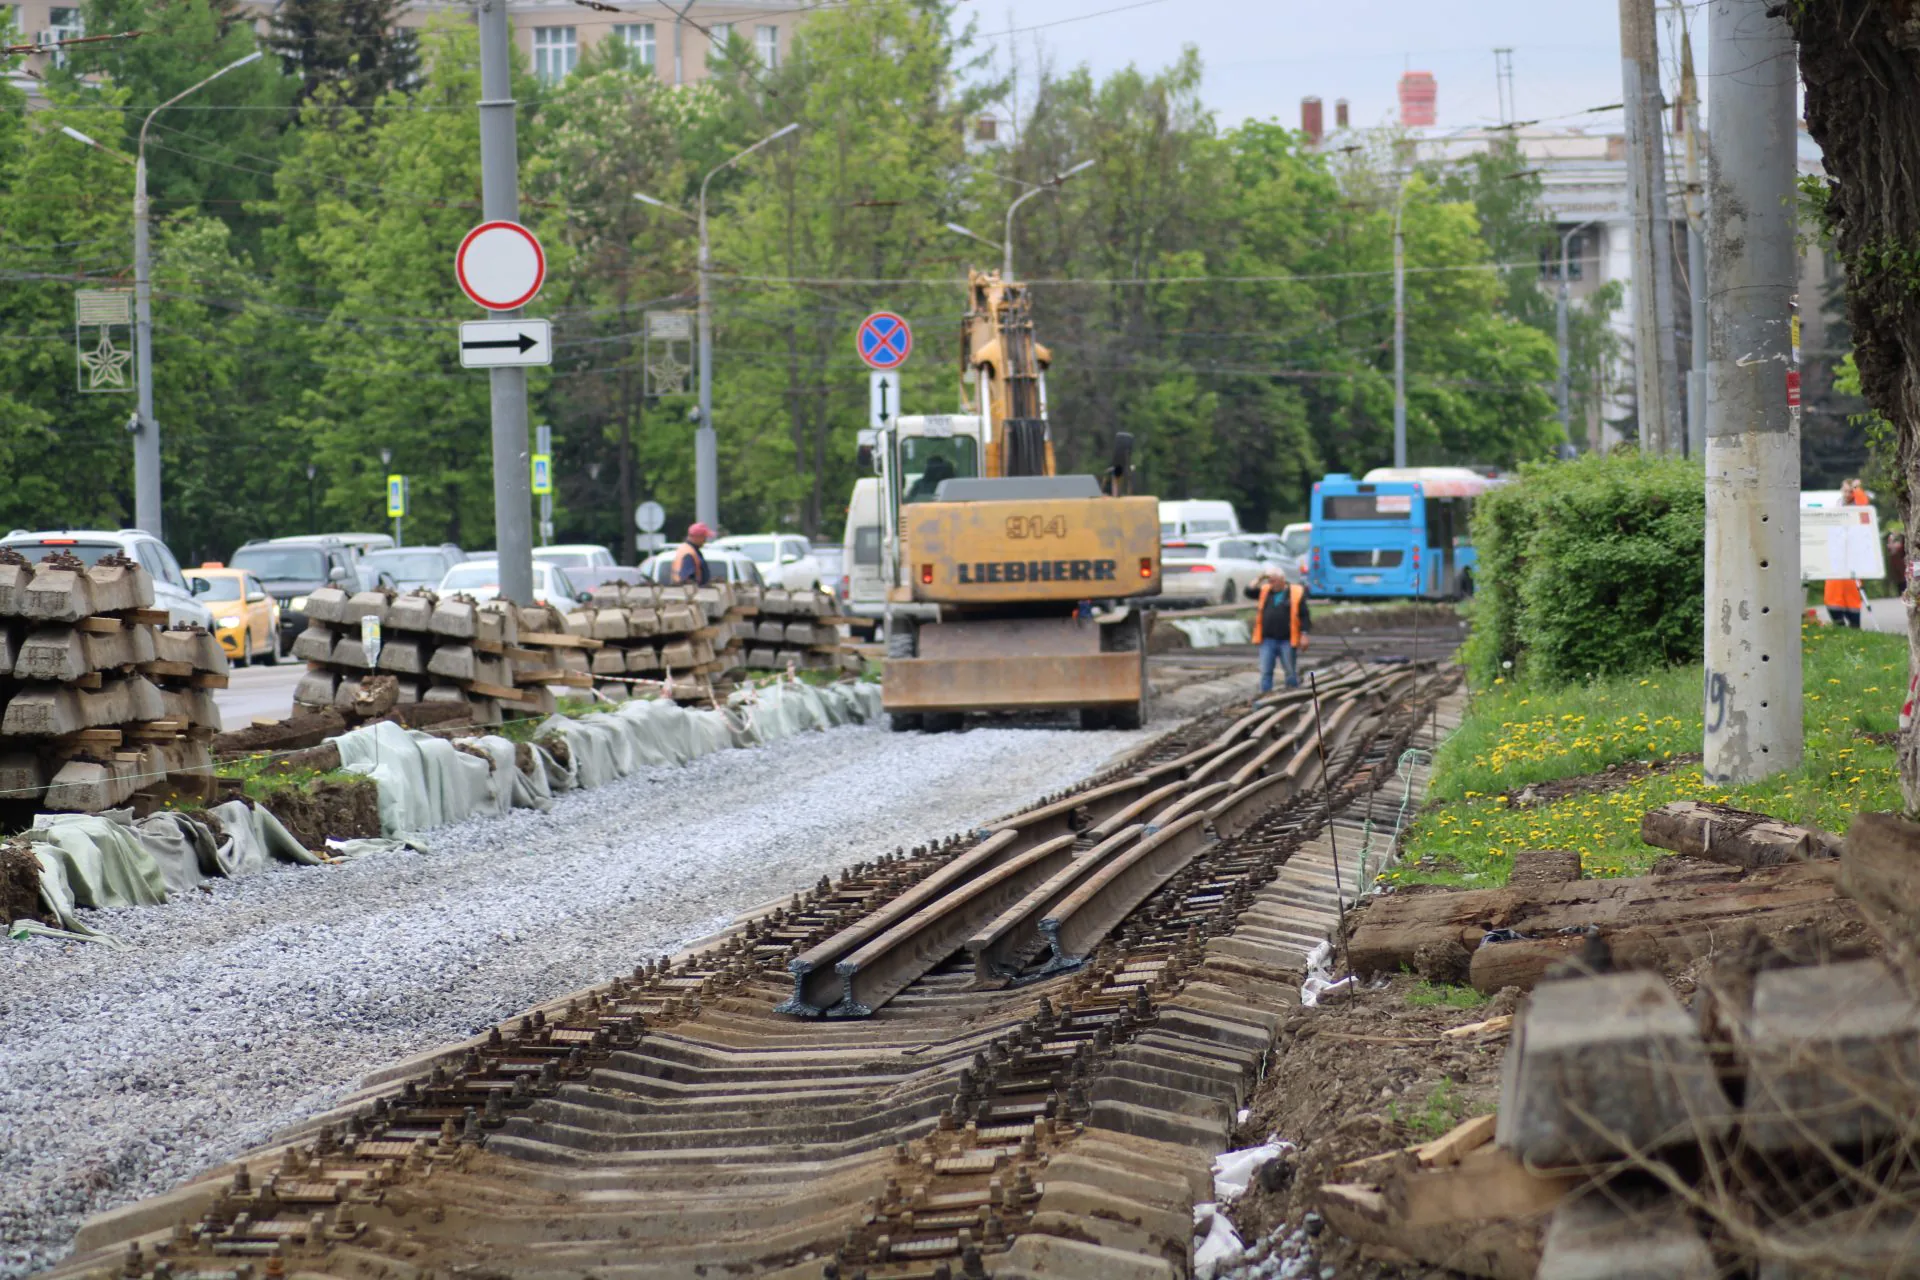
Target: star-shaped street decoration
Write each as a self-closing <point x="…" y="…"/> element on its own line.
<point x="105" y="364"/>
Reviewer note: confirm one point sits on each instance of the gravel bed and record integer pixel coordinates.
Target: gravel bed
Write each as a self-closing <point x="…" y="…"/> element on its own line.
<point x="242" y="1009"/>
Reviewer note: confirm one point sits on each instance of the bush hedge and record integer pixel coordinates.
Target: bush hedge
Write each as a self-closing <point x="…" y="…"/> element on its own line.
<point x="1590" y="567"/>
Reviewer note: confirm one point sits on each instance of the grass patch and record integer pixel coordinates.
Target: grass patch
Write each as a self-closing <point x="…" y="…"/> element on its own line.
<point x="262" y="777"/>
<point x="1515" y="735"/>
<point x="1439" y="1114"/>
<point x="1435" y="995"/>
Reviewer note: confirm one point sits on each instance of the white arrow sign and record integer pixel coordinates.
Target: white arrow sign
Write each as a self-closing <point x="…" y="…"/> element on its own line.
<point x="493" y="344"/>
<point x="883" y="398"/>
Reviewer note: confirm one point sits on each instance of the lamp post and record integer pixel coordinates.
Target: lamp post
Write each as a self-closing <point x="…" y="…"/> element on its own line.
<point x="386" y="463"/>
<point x="706" y="444"/>
<point x="1006" y="246"/>
<point x="313" y="525"/>
<point x="1566" y="383"/>
<point x="146" y="442"/>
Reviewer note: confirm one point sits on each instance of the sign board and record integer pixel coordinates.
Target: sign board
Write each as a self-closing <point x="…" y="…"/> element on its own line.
<point x="649" y="542"/>
<point x="1393" y="504"/>
<point x="1840" y="542"/>
<point x="103" y="340"/>
<point x="649" y="517"/>
<point x="370" y="638"/>
<point x="883" y="399"/>
<point x="494" y="344"/>
<point x="883" y="340"/>
<point x="670" y="326"/>
<point x="542" y="475"/>
<point x="500" y="265"/>
<point x="396" y="497"/>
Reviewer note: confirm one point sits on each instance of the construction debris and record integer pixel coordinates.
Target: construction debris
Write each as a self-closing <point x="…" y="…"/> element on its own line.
<point x="100" y="701"/>
<point x="798" y="629"/>
<point x="1734" y="836"/>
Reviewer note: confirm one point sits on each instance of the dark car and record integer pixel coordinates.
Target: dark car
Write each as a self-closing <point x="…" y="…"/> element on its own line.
<point x="291" y="571"/>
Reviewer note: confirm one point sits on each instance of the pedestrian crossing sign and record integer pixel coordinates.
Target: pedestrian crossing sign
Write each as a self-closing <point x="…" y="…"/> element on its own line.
<point x="396" y="497"/>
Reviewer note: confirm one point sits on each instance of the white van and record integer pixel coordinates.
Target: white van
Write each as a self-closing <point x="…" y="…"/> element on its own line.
<point x="1196" y="518"/>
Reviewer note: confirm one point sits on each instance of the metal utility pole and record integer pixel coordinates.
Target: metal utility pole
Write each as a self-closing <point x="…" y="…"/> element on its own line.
<point x="1566" y="371"/>
<point x="1399" y="333"/>
<point x="146" y="438"/>
<point x="1654" y="359"/>
<point x="1696" y="247"/>
<point x="500" y="199"/>
<point x="1753" y="676"/>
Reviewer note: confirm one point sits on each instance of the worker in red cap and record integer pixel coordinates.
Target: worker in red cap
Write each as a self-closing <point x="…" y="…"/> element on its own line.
<point x="688" y="564"/>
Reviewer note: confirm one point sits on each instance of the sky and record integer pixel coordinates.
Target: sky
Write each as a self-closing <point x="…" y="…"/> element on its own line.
<point x="1262" y="56"/>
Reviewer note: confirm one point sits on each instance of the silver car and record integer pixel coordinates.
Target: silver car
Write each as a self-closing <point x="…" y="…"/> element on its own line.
<point x="171" y="591"/>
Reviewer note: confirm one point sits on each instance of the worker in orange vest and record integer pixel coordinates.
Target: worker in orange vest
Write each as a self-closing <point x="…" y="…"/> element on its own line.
<point x="689" y="564"/>
<point x="1280" y="625"/>
<point x="1843" y="597"/>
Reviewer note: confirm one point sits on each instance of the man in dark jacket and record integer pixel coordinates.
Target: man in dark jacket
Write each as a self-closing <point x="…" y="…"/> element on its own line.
<point x="1280" y="625"/>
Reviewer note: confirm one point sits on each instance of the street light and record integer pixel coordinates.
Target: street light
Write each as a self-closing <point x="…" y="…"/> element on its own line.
<point x="959" y="230"/>
<point x="146" y="445"/>
<point x="706" y="444"/>
<point x="1052" y="184"/>
<point x="1566" y="383"/>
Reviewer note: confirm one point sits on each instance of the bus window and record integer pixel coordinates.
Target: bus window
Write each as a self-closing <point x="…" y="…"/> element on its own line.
<point x="1366" y="506"/>
<point x="927" y="460"/>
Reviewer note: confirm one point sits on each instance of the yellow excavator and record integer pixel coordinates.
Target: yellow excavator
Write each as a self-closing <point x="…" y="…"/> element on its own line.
<point x="1011" y="587"/>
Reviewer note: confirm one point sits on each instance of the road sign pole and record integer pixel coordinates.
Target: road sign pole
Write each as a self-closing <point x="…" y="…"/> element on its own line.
<point x="706" y="445"/>
<point x="500" y="198"/>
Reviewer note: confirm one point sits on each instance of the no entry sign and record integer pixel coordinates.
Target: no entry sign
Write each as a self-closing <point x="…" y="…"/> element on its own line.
<point x="883" y="340"/>
<point x="500" y="265"/>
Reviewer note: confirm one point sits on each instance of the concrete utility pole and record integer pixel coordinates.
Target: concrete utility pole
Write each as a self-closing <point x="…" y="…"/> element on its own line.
<point x="1654" y="355"/>
<point x="500" y="199"/>
<point x="1399" y="334"/>
<point x="1696" y="246"/>
<point x="1753" y="681"/>
<point x="146" y="438"/>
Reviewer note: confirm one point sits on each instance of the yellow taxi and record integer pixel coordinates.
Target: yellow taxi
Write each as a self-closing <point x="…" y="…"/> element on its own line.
<point x="246" y="620"/>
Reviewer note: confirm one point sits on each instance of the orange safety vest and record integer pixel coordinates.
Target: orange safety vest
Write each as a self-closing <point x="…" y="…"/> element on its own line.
<point x="686" y="556"/>
<point x="1295" y="594"/>
<point x="1844" y="593"/>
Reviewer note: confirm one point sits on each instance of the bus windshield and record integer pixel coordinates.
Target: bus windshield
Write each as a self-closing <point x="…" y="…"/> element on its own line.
<point x="927" y="460"/>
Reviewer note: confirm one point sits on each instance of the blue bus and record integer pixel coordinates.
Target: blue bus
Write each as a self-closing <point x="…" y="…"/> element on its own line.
<point x="1395" y="534"/>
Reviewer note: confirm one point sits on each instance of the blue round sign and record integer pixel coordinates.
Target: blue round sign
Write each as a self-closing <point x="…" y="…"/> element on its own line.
<point x="884" y="340"/>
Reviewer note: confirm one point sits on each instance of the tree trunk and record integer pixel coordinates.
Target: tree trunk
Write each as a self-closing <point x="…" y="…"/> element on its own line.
<point x="1861" y="63"/>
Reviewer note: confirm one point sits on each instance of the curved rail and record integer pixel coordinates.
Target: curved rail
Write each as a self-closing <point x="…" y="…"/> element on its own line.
<point x="995" y="947"/>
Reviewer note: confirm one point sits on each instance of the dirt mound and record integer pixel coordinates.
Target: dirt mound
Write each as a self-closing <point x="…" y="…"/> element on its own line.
<point x="1357" y="1078"/>
<point x="20" y="885"/>
<point x="325" y="810"/>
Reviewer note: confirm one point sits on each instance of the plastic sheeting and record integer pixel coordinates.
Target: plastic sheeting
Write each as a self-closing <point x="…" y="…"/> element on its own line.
<point x="110" y="860"/>
<point x="1211" y="633"/>
<point x="424" y="782"/>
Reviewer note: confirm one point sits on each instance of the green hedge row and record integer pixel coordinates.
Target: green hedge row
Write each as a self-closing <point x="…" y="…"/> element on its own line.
<point x="1591" y="567"/>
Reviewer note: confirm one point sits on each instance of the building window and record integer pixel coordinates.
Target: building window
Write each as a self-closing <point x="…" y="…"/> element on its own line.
<point x="555" y="51"/>
<point x="766" y="43"/>
<point x="1583" y="244"/>
<point x="637" y="36"/>
<point x="719" y="34"/>
<point x="63" y="23"/>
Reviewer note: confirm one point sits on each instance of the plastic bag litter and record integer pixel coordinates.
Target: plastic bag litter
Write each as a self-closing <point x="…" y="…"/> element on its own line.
<point x="1234" y="1171"/>
<point x="1210" y="633"/>
<point x="1217" y="1244"/>
<point x="1320" y="984"/>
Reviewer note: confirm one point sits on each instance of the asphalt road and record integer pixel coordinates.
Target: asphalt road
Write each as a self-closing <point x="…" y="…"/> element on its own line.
<point x="258" y="691"/>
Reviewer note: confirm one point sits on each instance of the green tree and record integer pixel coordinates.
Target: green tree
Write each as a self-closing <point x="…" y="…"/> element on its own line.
<point x="356" y="46"/>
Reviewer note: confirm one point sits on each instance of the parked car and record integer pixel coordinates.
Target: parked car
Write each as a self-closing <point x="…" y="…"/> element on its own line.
<point x="291" y="569"/>
<point x="785" y="559"/>
<point x="588" y="579"/>
<point x="576" y="555"/>
<point x="171" y="590"/>
<point x="480" y="580"/>
<point x="1196" y="518"/>
<point x="360" y="542"/>
<point x="1208" y="570"/>
<point x="246" y="620"/>
<point x="414" y="567"/>
<point x="722" y="565"/>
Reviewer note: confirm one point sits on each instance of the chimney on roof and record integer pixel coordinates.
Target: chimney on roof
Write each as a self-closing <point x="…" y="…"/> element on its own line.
<point x="1339" y="113"/>
<point x="1311" y="122"/>
<point x="1417" y="96"/>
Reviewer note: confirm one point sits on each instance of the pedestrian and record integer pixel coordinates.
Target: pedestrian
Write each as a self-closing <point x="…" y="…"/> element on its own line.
<point x="1897" y="562"/>
<point x="688" y="564"/>
<point x="1280" y="624"/>
<point x="1855" y="494"/>
<point x="1844" y="602"/>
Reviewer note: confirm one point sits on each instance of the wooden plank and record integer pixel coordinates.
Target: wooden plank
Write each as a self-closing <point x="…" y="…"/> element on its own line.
<point x="98" y="625"/>
<point x="560" y="640"/>
<point x="485" y="690"/>
<point x="90" y="738"/>
<point x="89" y="680"/>
<point x="209" y="680"/>
<point x="520" y="654"/>
<point x="162" y="667"/>
<point x="1450" y="1146"/>
<point x="539" y="675"/>
<point x="486" y="646"/>
<point x="267" y="722"/>
<point x="1486" y="1182"/>
<point x="146" y="617"/>
<point x="1492" y="1026"/>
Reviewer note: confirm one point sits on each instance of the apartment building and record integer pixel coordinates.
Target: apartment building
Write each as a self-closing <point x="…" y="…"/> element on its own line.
<point x="553" y="34"/>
